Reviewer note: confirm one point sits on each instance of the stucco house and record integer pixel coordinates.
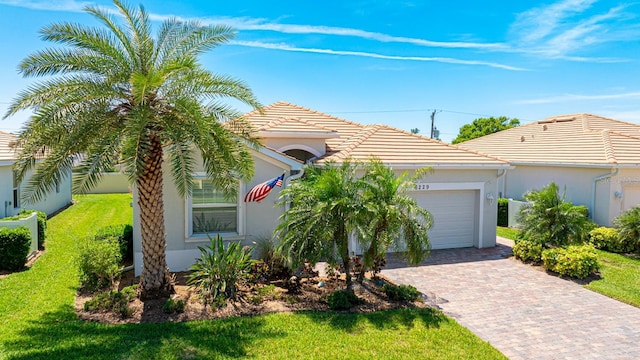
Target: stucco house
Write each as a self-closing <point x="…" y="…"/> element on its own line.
<point x="10" y="188"/>
<point x="460" y="193"/>
<point x="596" y="158"/>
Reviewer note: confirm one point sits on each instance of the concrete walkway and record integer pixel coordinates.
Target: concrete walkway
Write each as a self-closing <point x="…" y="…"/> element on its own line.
<point x="523" y="312"/>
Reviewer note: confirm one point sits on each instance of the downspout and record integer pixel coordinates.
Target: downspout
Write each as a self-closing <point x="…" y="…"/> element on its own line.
<point x="288" y="180"/>
<point x="593" y="189"/>
<point x="504" y="183"/>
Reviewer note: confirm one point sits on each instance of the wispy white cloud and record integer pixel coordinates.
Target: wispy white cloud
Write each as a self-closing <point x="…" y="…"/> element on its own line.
<point x="285" y="47"/>
<point x="578" y="97"/>
<point x="562" y="29"/>
<point x="53" y="5"/>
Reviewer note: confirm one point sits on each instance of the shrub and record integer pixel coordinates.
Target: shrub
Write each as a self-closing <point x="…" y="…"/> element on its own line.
<point x="528" y="250"/>
<point x="172" y="306"/>
<point x="113" y="301"/>
<point x="577" y="261"/>
<point x="99" y="263"/>
<point x="628" y="225"/>
<point x="608" y="239"/>
<point x="503" y="212"/>
<point x="14" y="248"/>
<point x="42" y="225"/>
<point x="343" y="300"/>
<point x="548" y="218"/>
<point x="401" y="292"/>
<point x="219" y="269"/>
<point x="275" y="265"/>
<point x="124" y="235"/>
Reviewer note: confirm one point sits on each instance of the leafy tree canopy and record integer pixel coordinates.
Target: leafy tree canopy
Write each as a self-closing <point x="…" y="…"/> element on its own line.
<point x="484" y="126"/>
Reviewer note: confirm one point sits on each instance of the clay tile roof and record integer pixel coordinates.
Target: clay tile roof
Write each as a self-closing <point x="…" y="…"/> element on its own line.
<point x="360" y="142"/>
<point x="581" y="139"/>
<point x="292" y="124"/>
<point x="7" y="153"/>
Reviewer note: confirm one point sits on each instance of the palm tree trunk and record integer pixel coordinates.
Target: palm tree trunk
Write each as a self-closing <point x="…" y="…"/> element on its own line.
<point x="155" y="279"/>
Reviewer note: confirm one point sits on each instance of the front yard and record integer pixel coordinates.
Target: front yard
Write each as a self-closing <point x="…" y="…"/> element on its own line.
<point x="619" y="274"/>
<point x="38" y="320"/>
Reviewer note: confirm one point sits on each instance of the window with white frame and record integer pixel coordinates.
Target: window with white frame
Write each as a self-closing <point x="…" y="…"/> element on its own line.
<point x="211" y="211"/>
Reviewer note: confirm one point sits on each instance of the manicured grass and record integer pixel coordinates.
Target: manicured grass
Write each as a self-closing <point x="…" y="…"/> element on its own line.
<point x="37" y="320"/>
<point x="505" y="232"/>
<point x="620" y="277"/>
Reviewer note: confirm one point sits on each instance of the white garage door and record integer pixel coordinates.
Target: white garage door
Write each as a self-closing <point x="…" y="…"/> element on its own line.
<point x="455" y="219"/>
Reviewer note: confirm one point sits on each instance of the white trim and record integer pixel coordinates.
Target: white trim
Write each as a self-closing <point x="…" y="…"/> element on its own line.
<point x="188" y="219"/>
<point x="306" y="148"/>
<point x="579" y="165"/>
<point x="400" y="166"/>
<point x="425" y="187"/>
<point x="278" y="159"/>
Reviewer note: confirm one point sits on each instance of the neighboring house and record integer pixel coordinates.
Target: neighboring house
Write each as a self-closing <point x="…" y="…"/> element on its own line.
<point x="597" y="159"/>
<point x="460" y="193"/>
<point x="10" y="203"/>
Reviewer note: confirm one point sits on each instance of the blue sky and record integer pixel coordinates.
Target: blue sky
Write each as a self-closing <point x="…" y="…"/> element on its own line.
<point x="394" y="62"/>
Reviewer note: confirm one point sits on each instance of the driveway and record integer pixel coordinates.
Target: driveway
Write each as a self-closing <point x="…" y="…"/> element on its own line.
<point x="523" y="312"/>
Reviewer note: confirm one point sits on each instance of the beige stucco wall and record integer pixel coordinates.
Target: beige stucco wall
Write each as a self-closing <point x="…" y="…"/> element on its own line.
<point x="51" y="203"/>
<point x="258" y="219"/>
<point x="112" y="183"/>
<point x="579" y="186"/>
<point x="627" y="184"/>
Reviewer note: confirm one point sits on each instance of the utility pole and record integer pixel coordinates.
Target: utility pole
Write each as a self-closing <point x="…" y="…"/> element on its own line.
<point x="433" y="116"/>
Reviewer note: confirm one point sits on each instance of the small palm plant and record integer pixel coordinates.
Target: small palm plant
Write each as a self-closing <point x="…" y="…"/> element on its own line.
<point x="628" y="225"/>
<point x="220" y="269"/>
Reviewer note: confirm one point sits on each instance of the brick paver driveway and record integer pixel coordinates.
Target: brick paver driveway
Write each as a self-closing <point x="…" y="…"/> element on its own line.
<point x="523" y="312"/>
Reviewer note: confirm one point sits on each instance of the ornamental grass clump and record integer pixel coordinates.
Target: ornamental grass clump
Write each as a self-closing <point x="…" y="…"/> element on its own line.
<point x="220" y="269"/>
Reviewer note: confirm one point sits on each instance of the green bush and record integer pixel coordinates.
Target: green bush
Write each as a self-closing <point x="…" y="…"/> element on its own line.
<point x="528" y="250"/>
<point x="549" y="218"/>
<point x="99" y="262"/>
<point x="14" y="248"/>
<point x="124" y="235"/>
<point x="628" y="225"/>
<point x="42" y="225"/>
<point x="503" y="212"/>
<point x="219" y="269"/>
<point x="343" y="300"/>
<point x="274" y="264"/>
<point x="609" y="239"/>
<point x="113" y="301"/>
<point x="401" y="292"/>
<point x="172" y="306"/>
<point x="577" y="261"/>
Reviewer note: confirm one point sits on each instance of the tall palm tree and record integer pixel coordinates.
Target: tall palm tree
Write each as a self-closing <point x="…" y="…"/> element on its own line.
<point x="118" y="94"/>
<point x="325" y="209"/>
<point x="393" y="218"/>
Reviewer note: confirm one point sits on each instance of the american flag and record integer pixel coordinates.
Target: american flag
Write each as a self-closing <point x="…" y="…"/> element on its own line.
<point x="260" y="191"/>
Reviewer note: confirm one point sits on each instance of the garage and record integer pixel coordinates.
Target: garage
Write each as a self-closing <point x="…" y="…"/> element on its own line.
<point x="455" y="217"/>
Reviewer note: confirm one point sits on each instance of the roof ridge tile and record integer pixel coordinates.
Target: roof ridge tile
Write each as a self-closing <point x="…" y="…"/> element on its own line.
<point x="609" y="153"/>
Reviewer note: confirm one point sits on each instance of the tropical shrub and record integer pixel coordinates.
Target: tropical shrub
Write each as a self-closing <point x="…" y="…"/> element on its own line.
<point x="14" y="248"/>
<point x="113" y="301"/>
<point x="123" y="233"/>
<point x="549" y="219"/>
<point x="172" y="306"/>
<point x="528" y="250"/>
<point x="628" y="225"/>
<point x="274" y="265"/>
<point x="503" y="212"/>
<point x="577" y="261"/>
<point x="343" y="300"/>
<point x="219" y="269"/>
<point x="99" y="262"/>
<point x="42" y="225"/>
<point x="609" y="239"/>
<point x="401" y="292"/>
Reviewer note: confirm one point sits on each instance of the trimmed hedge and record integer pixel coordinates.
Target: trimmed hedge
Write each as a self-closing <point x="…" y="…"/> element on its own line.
<point x="99" y="263"/>
<point x="14" y="248"/>
<point x="528" y="250"/>
<point x="609" y="239"/>
<point x="577" y="261"/>
<point x="503" y="212"/>
<point x="123" y="233"/>
<point x="42" y="225"/>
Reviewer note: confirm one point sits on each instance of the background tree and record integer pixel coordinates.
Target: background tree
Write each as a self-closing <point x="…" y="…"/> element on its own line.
<point x="325" y="209"/>
<point x="392" y="217"/>
<point x="484" y="126"/>
<point x="415" y="131"/>
<point x="120" y="95"/>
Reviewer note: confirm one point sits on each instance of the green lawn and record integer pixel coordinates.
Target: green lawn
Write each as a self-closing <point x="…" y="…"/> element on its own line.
<point x="506" y="232"/>
<point x="37" y="320"/>
<point x="620" y="275"/>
